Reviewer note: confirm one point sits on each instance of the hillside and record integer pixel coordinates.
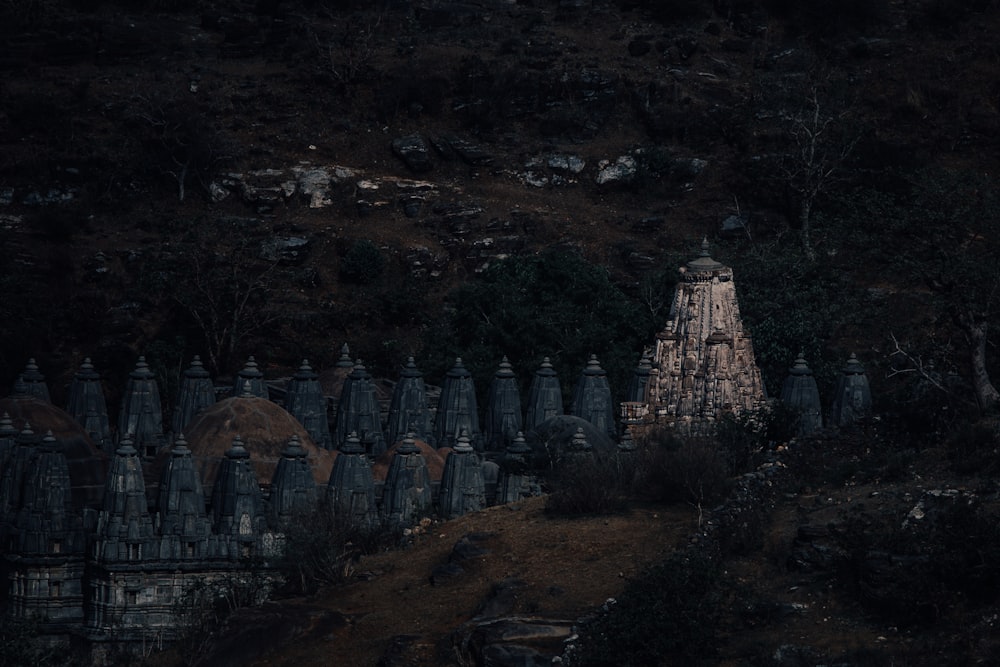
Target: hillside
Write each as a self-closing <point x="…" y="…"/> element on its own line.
<point x="155" y="154"/>
<point x="280" y="177"/>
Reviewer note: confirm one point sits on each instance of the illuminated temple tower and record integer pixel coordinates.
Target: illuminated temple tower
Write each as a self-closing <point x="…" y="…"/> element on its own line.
<point x="703" y="363"/>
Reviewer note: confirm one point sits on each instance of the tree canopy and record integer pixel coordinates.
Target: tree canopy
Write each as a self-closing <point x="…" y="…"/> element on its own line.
<point x="556" y="305"/>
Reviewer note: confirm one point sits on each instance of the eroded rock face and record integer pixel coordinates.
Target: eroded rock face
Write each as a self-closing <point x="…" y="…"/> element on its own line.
<point x="315" y="185"/>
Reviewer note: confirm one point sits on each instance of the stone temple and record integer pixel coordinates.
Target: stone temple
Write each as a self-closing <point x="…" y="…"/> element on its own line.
<point x="703" y="364"/>
<point x="102" y="542"/>
<point x="103" y="532"/>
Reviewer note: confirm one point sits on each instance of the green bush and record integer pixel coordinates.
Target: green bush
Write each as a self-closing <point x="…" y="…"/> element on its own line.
<point x="556" y="304"/>
<point x="973" y="449"/>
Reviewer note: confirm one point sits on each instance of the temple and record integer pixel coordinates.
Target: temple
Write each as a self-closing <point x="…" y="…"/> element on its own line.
<point x="105" y="531"/>
<point x="703" y="365"/>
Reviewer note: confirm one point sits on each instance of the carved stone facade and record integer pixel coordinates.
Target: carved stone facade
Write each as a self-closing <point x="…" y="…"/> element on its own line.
<point x="172" y="513"/>
<point x="703" y="364"/>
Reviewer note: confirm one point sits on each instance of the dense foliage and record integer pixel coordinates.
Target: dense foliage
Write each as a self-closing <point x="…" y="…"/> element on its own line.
<point x="556" y="305"/>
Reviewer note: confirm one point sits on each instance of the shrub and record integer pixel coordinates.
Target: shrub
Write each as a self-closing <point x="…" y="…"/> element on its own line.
<point x="913" y="572"/>
<point x="691" y="470"/>
<point x="321" y="547"/>
<point x="973" y="448"/>
<point x="668" y="615"/>
<point x="590" y="486"/>
<point x="555" y="304"/>
<point x="362" y="263"/>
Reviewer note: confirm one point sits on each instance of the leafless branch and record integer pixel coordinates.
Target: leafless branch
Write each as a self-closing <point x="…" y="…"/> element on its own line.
<point x="916" y="365"/>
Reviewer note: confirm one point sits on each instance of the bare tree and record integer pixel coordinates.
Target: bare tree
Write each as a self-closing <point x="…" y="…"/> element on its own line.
<point x="181" y="141"/>
<point x="226" y="294"/>
<point x="804" y="131"/>
<point x="950" y="225"/>
<point x="821" y="143"/>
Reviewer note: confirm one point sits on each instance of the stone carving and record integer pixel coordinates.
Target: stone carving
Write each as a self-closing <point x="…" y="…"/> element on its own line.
<point x="503" y="409"/>
<point x="196" y="393"/>
<point x="703" y="365"/>
<point x="592" y="398"/>
<point x="852" y="399"/>
<point x="544" y="397"/>
<point x="87" y="406"/>
<point x="801" y="395"/>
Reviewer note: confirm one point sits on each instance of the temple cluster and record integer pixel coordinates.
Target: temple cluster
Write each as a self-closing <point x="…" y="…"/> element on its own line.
<point x="107" y="523"/>
<point x="106" y="529"/>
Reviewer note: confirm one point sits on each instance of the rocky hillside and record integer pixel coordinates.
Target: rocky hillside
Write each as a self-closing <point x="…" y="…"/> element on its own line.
<point x="339" y="168"/>
<point x="281" y="176"/>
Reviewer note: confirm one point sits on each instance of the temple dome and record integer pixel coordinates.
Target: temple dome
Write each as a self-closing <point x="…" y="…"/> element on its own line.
<point x="551" y="439"/>
<point x="265" y="428"/>
<point x="704" y="263"/>
<point x="434" y="457"/>
<point x="88" y="465"/>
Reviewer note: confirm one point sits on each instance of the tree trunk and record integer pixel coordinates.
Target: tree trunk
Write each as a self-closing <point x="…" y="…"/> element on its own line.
<point x="987" y="395"/>
<point x="805" y="218"/>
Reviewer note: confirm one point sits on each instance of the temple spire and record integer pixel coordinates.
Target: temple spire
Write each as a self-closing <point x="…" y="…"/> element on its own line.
<point x="141" y="417"/>
<point x="408" y="410"/>
<point x="237" y="505"/>
<point x="592" y="398"/>
<point x="703" y="365"/>
<point x="351" y="488"/>
<point x="463" y="489"/>
<point x="293" y="488"/>
<point x="305" y="401"/>
<point x="407" y="492"/>
<point x="545" y="398"/>
<point x="358" y="412"/>
<point x="457" y="410"/>
<point x="196" y="393"/>
<point x="124" y="526"/>
<point x="503" y="408"/>
<point x="34" y="381"/>
<point x="250" y="373"/>
<point x="87" y="406"/>
<point x="801" y="395"/>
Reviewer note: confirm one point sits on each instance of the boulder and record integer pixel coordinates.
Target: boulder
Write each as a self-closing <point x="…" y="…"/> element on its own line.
<point x="622" y="170"/>
<point x="413" y="151"/>
<point x="285" y="249"/>
<point x="450" y="145"/>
